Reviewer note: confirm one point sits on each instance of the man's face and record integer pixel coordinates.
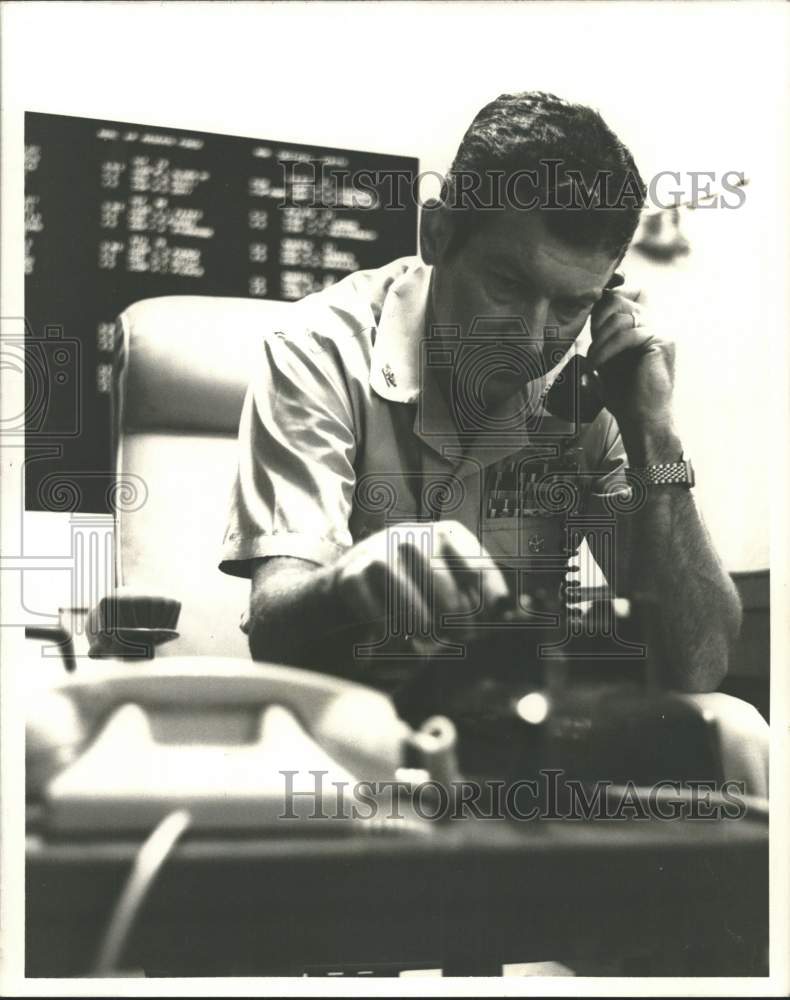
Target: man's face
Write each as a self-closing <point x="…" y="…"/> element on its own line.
<point x="509" y="280"/>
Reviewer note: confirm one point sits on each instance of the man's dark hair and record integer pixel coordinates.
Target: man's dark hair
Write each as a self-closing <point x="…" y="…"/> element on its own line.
<point x="537" y="150"/>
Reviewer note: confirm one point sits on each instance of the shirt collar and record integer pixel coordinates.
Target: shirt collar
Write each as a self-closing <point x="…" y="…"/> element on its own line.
<point x="396" y="361"/>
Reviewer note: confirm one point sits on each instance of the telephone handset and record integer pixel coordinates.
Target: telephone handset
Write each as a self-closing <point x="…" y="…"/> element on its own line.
<point x="573" y="395"/>
<point x="113" y="747"/>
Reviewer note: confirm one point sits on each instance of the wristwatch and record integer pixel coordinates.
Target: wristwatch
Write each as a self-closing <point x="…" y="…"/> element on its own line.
<point x="680" y="473"/>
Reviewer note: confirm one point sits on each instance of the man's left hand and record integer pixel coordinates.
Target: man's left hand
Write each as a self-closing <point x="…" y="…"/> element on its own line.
<point x="636" y="368"/>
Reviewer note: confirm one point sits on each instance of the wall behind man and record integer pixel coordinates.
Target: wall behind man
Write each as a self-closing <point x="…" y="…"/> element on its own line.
<point x="687" y="87"/>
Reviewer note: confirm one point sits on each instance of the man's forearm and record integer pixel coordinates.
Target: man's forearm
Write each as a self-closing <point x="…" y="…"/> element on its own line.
<point x="298" y="619"/>
<point x="672" y="560"/>
<point x="292" y="610"/>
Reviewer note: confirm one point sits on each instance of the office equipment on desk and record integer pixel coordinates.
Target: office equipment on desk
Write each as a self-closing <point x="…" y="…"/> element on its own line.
<point x="214" y="736"/>
<point x="467" y="895"/>
<point x="252" y="894"/>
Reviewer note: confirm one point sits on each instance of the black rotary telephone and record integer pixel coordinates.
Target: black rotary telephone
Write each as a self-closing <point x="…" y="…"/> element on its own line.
<point x="573" y="395"/>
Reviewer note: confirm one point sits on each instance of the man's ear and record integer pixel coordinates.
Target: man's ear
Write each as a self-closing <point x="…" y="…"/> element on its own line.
<point x="434" y="231"/>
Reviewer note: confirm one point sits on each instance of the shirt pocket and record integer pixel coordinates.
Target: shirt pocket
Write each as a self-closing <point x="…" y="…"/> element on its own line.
<point x="527" y="537"/>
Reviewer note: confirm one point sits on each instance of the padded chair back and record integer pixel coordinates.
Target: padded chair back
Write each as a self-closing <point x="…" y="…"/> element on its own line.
<point x="186" y="362"/>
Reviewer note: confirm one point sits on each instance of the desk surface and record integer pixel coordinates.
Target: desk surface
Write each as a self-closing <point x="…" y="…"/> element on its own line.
<point x="478" y="892"/>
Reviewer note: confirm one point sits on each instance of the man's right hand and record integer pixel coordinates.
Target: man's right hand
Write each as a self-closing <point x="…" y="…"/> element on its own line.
<point x="415" y="575"/>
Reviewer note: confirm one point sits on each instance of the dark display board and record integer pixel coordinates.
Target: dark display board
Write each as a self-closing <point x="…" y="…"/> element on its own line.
<point x="117" y="212"/>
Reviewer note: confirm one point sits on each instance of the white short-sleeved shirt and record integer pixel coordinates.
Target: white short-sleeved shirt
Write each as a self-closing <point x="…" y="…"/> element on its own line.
<point x="343" y="431"/>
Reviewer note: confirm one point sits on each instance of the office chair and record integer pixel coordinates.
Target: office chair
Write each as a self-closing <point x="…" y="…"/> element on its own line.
<point x="183" y="365"/>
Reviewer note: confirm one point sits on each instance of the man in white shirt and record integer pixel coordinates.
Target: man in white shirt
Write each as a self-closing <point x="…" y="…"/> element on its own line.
<point x="399" y="463"/>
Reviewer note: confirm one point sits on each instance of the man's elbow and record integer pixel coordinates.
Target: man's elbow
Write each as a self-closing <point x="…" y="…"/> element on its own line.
<point x="703" y="677"/>
<point x="713" y="656"/>
<point x="258" y="645"/>
<point x="267" y="645"/>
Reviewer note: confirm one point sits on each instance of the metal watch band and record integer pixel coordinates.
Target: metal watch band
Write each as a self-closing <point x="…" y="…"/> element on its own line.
<point x="666" y="474"/>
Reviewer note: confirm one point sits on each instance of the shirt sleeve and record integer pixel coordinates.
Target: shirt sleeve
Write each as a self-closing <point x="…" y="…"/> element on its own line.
<point x="607" y="458"/>
<point x="293" y="489"/>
